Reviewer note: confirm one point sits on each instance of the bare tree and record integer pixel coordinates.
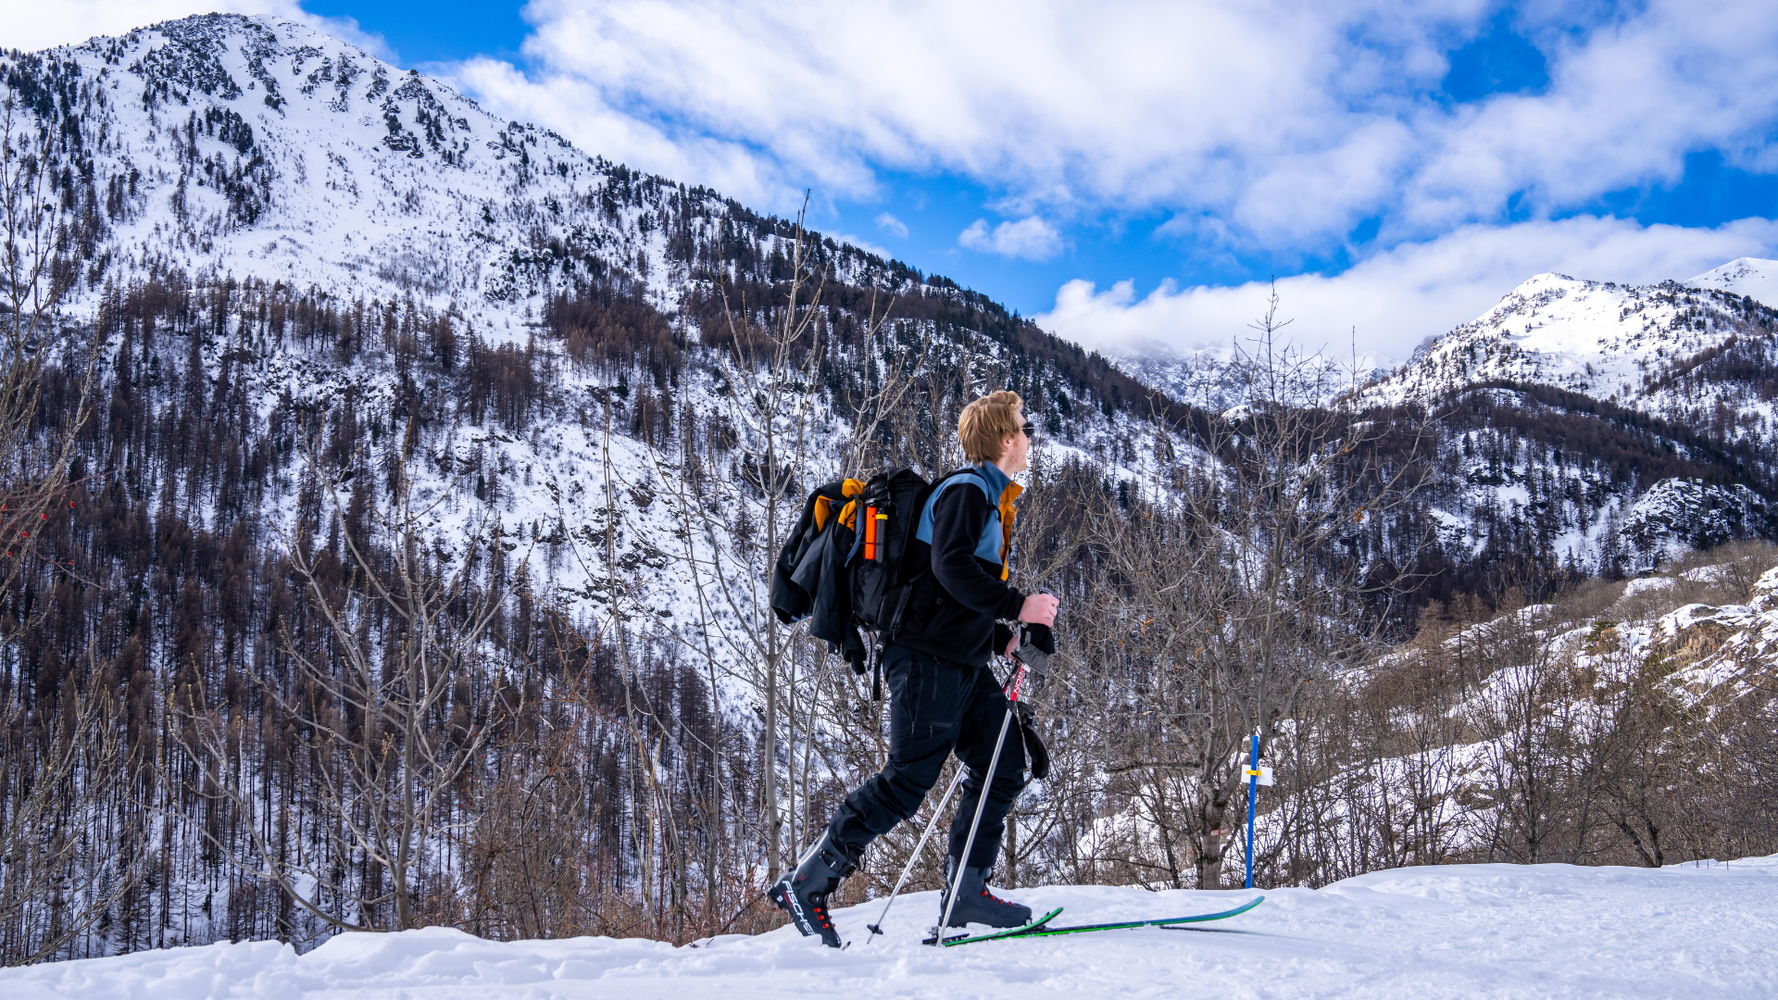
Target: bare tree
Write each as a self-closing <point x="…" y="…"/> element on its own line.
<point x="37" y="269"/>
<point x="1265" y="571"/>
<point x="768" y="375"/>
<point x="395" y="629"/>
<point x="1528" y="717"/>
<point x="57" y="786"/>
<point x="67" y="751"/>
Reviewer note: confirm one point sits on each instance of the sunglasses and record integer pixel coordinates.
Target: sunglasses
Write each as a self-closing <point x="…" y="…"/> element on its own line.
<point x="1030" y="430"/>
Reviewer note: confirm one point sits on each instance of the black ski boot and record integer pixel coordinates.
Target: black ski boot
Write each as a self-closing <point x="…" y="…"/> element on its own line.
<point x="975" y="904"/>
<point x="803" y="893"/>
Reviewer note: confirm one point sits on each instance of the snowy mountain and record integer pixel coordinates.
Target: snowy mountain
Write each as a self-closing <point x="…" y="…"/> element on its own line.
<point x="351" y="219"/>
<point x="262" y="148"/>
<point x="1604" y="425"/>
<point x="1750" y="276"/>
<point x="1674" y="387"/>
<point x="1631" y="345"/>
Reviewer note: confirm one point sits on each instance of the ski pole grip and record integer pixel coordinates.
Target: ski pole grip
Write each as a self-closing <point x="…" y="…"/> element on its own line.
<point x="1015" y="685"/>
<point x="1029" y="655"/>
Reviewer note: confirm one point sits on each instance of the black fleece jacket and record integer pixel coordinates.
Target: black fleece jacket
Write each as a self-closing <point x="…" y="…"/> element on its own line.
<point x="955" y="612"/>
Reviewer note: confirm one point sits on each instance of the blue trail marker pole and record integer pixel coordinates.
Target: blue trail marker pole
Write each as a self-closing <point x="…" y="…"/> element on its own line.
<point x="1252" y="794"/>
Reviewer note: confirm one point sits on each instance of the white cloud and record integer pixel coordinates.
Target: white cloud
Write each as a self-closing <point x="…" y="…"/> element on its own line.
<point x="1625" y="105"/>
<point x="1399" y="298"/>
<point x="861" y="243"/>
<point x="1288" y="121"/>
<point x="890" y="223"/>
<point x="1030" y="238"/>
<point x="1268" y="125"/>
<point x="41" y="25"/>
<point x="578" y="110"/>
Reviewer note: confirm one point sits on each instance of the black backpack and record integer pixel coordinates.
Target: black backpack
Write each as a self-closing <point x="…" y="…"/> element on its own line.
<point x="881" y="581"/>
<point x="843" y="565"/>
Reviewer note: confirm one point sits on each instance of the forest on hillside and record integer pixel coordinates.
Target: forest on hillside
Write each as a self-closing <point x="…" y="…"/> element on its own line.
<point x="249" y="692"/>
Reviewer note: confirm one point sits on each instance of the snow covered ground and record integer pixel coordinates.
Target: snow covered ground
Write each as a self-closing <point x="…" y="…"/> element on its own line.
<point x="1422" y="933"/>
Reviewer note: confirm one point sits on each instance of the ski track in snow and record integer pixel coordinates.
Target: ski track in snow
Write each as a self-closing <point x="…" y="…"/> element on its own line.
<point x="1456" y="931"/>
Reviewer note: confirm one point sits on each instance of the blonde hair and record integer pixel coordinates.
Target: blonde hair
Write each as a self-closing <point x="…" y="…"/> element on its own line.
<point x="986" y="422"/>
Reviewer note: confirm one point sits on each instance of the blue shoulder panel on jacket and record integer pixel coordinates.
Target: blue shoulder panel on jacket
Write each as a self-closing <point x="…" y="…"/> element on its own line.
<point x="987" y="548"/>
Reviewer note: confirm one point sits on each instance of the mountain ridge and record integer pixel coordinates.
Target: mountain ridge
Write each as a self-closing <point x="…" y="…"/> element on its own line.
<point x="230" y="145"/>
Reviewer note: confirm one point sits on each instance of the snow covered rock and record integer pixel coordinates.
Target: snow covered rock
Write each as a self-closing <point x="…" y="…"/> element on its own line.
<point x="1675" y="514"/>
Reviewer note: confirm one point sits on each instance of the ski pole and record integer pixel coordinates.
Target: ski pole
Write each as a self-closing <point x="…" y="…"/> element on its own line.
<point x="1012" y="704"/>
<point x="907" y="869"/>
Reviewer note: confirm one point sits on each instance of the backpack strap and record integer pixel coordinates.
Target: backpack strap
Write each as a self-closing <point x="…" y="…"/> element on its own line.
<point x="924" y="531"/>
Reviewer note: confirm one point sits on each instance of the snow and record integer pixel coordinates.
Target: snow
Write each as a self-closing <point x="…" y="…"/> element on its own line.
<point x="1648" y="585"/>
<point x="366" y="181"/>
<point x="1459" y="931"/>
<point x="1598" y="338"/>
<point x="1708" y="574"/>
<point x="1750" y="276"/>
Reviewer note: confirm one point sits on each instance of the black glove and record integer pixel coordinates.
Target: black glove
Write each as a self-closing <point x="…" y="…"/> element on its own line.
<point x="1034" y="748"/>
<point x="1041" y="637"/>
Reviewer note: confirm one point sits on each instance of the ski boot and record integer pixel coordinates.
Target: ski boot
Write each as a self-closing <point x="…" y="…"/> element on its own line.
<point x="803" y="892"/>
<point x="975" y="904"/>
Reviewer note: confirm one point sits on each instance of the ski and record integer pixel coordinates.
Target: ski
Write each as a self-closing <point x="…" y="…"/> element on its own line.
<point x="1034" y="925"/>
<point x="1038" y="928"/>
<point x="1163" y="922"/>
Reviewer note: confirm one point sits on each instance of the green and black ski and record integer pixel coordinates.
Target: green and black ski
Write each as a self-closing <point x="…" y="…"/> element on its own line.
<point x="1163" y="922"/>
<point x="993" y="935"/>
<point x="1040" y="928"/>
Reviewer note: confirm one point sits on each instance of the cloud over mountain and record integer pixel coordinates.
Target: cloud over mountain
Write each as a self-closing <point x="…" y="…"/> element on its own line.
<point x="1391" y="301"/>
<point x="1217" y="142"/>
<point x="1290" y="122"/>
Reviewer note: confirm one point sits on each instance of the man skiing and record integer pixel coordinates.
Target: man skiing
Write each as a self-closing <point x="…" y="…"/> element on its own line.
<point x="943" y="697"/>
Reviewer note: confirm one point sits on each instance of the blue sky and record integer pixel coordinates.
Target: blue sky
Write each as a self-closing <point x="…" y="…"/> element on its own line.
<point x="447" y="31"/>
<point x="936" y="206"/>
<point x="1131" y="172"/>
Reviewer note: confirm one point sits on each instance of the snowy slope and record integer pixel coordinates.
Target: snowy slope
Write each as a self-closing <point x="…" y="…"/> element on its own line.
<point x="1729" y="650"/>
<point x="1609" y="341"/>
<point x="1579" y="368"/>
<point x="1751" y="276"/>
<point x="1426" y="933"/>
<point x="1712" y="655"/>
<point x="260" y="147"/>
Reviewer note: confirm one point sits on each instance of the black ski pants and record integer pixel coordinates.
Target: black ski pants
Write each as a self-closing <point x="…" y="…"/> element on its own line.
<point x="936" y="707"/>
